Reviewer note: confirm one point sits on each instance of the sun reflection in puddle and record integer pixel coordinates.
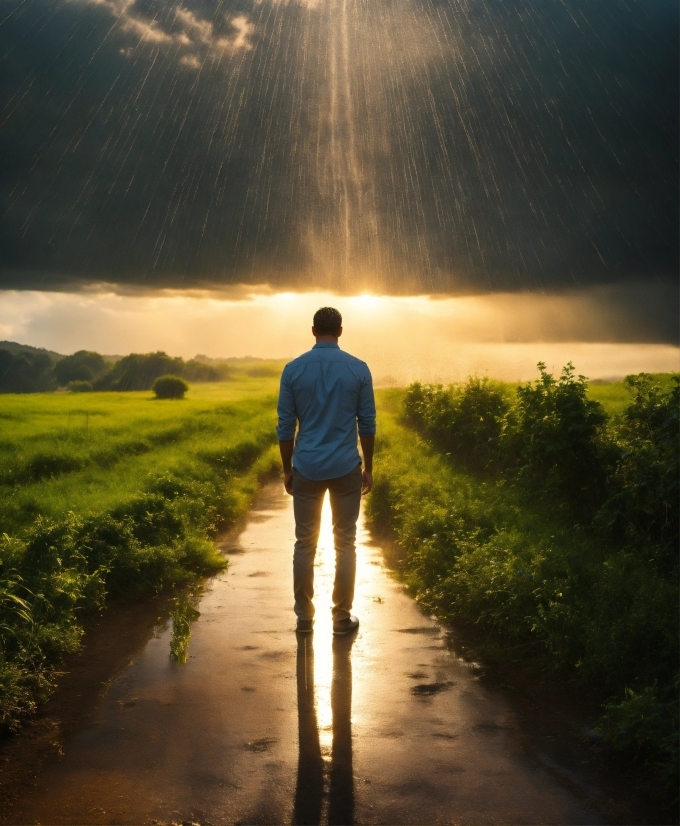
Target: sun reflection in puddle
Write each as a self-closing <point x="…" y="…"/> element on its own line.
<point x="324" y="573"/>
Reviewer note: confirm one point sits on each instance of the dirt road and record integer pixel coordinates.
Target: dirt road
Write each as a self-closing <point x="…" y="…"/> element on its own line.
<point x="262" y="727"/>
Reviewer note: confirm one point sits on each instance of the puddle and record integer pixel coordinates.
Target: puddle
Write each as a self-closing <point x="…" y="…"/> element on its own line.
<point x="430" y="689"/>
<point x="264" y="744"/>
<point x="425" y="629"/>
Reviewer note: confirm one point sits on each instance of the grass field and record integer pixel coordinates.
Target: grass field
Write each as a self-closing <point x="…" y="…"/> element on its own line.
<point x="86" y="452"/>
<point x="114" y="495"/>
<point x="613" y="396"/>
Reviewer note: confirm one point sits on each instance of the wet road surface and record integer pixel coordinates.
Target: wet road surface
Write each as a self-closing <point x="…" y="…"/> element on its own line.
<point x="261" y="726"/>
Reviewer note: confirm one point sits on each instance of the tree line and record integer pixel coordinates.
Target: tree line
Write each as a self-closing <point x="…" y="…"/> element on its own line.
<point x="38" y="372"/>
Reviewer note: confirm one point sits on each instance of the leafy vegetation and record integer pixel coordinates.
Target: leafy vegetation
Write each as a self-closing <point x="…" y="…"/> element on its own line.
<point x="113" y="496"/>
<point x="25" y="372"/>
<point x="85" y="365"/>
<point x="170" y="387"/>
<point x="30" y="370"/>
<point x="183" y="614"/>
<point x="139" y="371"/>
<point x="554" y="525"/>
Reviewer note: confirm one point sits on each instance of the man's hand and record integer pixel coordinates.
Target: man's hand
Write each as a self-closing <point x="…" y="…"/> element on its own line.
<point x="288" y="482"/>
<point x="367" y="446"/>
<point x="286" y="449"/>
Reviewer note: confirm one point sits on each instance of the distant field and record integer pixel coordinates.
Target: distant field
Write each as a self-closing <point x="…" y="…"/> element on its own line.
<point x="86" y="452"/>
<point x="614" y="396"/>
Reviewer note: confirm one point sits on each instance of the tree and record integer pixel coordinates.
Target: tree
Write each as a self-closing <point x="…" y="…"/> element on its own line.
<point x="139" y="371"/>
<point x="85" y="365"/>
<point x="25" y="372"/>
<point x="78" y="386"/>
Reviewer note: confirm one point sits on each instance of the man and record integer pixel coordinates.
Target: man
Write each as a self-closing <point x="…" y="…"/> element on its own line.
<point x="328" y="392"/>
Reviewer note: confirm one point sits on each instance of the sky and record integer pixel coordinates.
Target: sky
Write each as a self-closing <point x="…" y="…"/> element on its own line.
<point x="514" y="153"/>
<point x="403" y="339"/>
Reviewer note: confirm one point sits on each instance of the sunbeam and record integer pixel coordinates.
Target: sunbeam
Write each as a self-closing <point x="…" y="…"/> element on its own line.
<point x="407" y="147"/>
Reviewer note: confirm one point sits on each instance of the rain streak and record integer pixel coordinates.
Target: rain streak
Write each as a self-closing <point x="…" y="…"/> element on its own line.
<point x="397" y="146"/>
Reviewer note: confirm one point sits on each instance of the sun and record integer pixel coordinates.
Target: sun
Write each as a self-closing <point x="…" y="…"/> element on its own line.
<point x="366" y="301"/>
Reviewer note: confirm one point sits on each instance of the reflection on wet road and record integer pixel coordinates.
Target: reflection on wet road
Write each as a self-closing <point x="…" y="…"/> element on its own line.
<point x="312" y="784"/>
<point x="263" y="726"/>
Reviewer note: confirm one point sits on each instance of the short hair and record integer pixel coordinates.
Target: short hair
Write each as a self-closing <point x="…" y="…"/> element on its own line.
<point x="327" y="321"/>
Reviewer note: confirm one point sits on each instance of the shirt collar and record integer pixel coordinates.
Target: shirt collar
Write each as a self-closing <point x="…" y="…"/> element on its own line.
<point x="326" y="344"/>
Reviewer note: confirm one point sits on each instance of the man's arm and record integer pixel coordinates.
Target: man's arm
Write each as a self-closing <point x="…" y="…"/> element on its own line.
<point x="286" y="449"/>
<point x="366" y="422"/>
<point x="286" y="429"/>
<point x="367" y="446"/>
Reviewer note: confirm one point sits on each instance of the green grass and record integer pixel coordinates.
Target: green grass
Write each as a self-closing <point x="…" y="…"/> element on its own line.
<point x="61" y="452"/>
<point x="114" y="495"/>
<point x="613" y="396"/>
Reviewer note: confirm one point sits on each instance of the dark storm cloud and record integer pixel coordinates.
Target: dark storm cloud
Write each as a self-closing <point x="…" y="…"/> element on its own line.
<point x="398" y="146"/>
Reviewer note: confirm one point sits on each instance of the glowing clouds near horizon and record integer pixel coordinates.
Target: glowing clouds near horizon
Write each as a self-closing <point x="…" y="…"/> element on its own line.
<point x="402" y="339"/>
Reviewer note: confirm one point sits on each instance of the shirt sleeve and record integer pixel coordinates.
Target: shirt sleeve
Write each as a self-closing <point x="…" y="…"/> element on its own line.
<point x="286" y="410"/>
<point x="366" y="411"/>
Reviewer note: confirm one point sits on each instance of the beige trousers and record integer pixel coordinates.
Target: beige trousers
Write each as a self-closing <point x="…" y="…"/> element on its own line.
<point x="345" y="496"/>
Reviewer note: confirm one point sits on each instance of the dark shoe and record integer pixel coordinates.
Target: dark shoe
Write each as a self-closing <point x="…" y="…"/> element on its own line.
<point x="304" y="626"/>
<point x="346" y="626"/>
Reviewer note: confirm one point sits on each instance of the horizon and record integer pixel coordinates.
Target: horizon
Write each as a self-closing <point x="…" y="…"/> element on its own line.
<point x="402" y="339"/>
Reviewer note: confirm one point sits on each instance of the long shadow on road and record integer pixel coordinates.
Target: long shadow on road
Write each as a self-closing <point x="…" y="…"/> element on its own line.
<point x="263" y="726"/>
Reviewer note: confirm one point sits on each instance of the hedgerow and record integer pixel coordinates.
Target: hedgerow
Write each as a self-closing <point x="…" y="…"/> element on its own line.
<point x="555" y="527"/>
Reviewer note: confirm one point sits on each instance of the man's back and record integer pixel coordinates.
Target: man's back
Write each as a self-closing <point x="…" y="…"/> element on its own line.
<point x="328" y="391"/>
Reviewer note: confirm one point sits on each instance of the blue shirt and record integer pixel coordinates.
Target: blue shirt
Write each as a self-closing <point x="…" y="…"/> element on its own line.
<point x="328" y="392"/>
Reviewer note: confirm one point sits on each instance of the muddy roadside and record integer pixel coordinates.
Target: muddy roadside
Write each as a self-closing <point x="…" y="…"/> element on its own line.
<point x="111" y="641"/>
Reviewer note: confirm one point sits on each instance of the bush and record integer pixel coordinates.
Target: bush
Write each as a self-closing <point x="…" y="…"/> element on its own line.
<point x="465" y="421"/>
<point x="170" y="387"/>
<point x="79" y="387"/>
<point x="643" y="509"/>
<point x="552" y="439"/>
<point x="644" y="724"/>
